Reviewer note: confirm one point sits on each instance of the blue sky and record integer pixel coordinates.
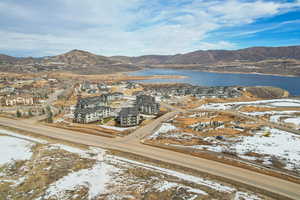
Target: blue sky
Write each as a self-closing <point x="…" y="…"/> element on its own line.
<point x="138" y="27"/>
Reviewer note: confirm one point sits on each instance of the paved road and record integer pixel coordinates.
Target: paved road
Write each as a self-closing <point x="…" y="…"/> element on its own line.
<point x="140" y="133"/>
<point x="127" y="144"/>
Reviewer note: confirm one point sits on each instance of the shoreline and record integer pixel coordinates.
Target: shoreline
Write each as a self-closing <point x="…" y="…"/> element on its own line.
<point x="212" y="71"/>
<point x="255" y="73"/>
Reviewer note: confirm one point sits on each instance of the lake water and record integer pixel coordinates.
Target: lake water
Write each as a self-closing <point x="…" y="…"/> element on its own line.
<point x="292" y="84"/>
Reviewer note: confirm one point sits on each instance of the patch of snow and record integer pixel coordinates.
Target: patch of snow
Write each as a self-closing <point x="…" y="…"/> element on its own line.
<point x="245" y="196"/>
<point x="91" y="153"/>
<point x="117" y="128"/>
<point x="179" y="175"/>
<point x="14" y="149"/>
<point x="275" y="118"/>
<point x="215" y="148"/>
<point x="59" y="120"/>
<point x="272" y="102"/>
<point x="10" y="133"/>
<point x="197" y="191"/>
<point x="295" y="120"/>
<point x="286" y="112"/>
<point x="285" y="104"/>
<point x="248" y="157"/>
<point x="164" y="128"/>
<point x="95" y="179"/>
<point x="281" y="144"/>
<point x="165" y="185"/>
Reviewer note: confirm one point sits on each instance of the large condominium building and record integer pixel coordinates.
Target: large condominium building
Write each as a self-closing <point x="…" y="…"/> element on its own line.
<point x="129" y="117"/>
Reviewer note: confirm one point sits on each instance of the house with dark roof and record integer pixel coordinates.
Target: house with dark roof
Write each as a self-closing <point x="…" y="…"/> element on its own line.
<point x="129" y="116"/>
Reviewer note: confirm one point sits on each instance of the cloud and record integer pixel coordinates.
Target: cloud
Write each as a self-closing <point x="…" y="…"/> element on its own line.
<point x="266" y="28"/>
<point x="131" y="27"/>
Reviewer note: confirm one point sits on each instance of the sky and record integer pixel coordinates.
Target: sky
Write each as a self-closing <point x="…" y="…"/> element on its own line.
<point x="142" y="27"/>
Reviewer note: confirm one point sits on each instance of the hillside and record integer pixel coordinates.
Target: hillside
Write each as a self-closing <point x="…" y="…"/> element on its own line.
<point x="252" y="54"/>
<point x="76" y="61"/>
<point x="79" y="57"/>
<point x="266" y="60"/>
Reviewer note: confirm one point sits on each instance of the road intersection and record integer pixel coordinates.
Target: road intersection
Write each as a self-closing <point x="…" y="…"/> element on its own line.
<point x="132" y="144"/>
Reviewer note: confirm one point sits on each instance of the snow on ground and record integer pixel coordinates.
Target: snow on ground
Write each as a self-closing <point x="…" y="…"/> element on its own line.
<point x="166" y="185"/>
<point x="245" y="196"/>
<point x="89" y="153"/>
<point x="286" y="112"/>
<point x="276" y="118"/>
<point x="215" y="148"/>
<point x="272" y="102"/>
<point x="279" y="143"/>
<point x="117" y="128"/>
<point x="14" y="149"/>
<point x="164" y="128"/>
<point x="285" y="104"/>
<point x="59" y="120"/>
<point x="10" y="133"/>
<point x="103" y="172"/>
<point x="295" y="120"/>
<point x="186" y="177"/>
<point x="95" y="179"/>
<point x="181" y="135"/>
<point x="283" y="145"/>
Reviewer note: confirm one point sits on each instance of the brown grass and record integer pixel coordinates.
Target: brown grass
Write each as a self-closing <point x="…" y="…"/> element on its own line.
<point x="263" y="109"/>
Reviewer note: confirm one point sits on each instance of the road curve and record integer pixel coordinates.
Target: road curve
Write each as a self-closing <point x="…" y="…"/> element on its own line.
<point x="261" y="181"/>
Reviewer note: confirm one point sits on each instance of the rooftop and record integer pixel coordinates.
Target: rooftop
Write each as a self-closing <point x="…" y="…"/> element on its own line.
<point x="129" y="111"/>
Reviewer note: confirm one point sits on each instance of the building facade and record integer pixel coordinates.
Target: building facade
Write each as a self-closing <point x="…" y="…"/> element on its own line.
<point x="147" y="105"/>
<point x="88" y="115"/>
<point x="18" y="100"/>
<point x="129" y="117"/>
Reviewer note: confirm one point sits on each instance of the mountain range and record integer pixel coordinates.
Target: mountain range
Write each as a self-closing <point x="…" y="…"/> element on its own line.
<point x="274" y="60"/>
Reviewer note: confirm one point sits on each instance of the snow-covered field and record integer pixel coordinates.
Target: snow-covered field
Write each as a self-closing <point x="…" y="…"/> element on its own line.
<point x="273" y="103"/>
<point x="107" y="177"/>
<point x="291" y="119"/>
<point x="283" y="145"/>
<point x="295" y="121"/>
<point x="95" y="179"/>
<point x="290" y="116"/>
<point x="14" y="149"/>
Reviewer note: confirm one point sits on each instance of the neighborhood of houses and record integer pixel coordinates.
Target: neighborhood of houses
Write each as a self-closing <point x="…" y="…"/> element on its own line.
<point x="127" y="103"/>
<point x="195" y="91"/>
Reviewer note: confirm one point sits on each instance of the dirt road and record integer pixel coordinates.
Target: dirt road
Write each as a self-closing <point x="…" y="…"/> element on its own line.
<point x="130" y="144"/>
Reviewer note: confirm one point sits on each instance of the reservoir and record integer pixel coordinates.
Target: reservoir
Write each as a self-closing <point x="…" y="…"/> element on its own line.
<point x="291" y="84"/>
